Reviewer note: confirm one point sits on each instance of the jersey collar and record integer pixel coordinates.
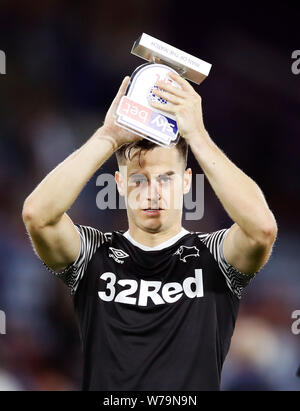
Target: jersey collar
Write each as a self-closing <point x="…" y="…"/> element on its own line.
<point x="160" y="246"/>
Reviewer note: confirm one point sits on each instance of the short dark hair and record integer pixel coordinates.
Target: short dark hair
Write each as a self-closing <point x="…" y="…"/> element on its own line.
<point x="123" y="153"/>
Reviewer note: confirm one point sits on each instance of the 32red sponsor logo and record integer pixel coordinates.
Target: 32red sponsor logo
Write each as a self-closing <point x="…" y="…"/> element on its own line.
<point x="141" y="292"/>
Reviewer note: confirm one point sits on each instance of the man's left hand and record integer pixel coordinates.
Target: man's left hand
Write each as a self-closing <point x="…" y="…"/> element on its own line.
<point x="182" y="102"/>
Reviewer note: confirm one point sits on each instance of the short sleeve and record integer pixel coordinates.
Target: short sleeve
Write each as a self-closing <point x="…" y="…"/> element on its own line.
<point x="235" y="279"/>
<point x="90" y="240"/>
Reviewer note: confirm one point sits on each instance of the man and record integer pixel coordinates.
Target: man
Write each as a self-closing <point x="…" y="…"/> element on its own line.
<point x="156" y="304"/>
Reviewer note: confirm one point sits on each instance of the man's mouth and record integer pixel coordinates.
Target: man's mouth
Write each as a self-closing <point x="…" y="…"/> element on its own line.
<point x="153" y="211"/>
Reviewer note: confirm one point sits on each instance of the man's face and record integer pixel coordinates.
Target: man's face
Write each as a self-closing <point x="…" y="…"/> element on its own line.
<point x="154" y="188"/>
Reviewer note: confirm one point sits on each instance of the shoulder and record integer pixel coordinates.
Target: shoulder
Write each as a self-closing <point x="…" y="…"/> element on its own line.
<point x="91" y="240"/>
<point x="93" y="237"/>
<point x="212" y="236"/>
<point x="235" y="279"/>
<point x="213" y="240"/>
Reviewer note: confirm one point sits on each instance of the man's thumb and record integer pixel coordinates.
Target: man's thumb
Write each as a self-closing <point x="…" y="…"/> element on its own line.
<point x="124" y="85"/>
<point x="121" y="91"/>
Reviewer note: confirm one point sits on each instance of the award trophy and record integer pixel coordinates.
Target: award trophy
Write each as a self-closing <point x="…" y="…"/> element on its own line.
<point x="134" y="112"/>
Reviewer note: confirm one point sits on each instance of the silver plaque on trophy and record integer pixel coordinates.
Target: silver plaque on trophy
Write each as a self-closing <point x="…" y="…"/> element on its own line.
<point x="134" y="112"/>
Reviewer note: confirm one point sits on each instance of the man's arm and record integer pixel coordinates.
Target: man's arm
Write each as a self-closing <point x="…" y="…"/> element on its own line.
<point x="53" y="234"/>
<point x="249" y="241"/>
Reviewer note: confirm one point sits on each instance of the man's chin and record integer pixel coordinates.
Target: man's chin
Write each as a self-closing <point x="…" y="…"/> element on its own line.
<point x="151" y="224"/>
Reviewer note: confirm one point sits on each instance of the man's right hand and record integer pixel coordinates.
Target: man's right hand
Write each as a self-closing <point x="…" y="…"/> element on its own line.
<point x="119" y="134"/>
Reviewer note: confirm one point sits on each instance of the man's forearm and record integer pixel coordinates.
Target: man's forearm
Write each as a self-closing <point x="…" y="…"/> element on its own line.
<point x="59" y="189"/>
<point x="239" y="194"/>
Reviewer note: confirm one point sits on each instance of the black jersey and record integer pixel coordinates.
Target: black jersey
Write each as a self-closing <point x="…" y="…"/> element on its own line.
<point x="159" y="319"/>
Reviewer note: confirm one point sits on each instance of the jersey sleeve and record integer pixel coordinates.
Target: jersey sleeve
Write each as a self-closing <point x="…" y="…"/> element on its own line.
<point x="90" y="240"/>
<point x="235" y="279"/>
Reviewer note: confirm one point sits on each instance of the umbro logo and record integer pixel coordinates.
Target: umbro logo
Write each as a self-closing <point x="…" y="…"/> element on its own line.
<point x="116" y="254"/>
<point x="184" y="252"/>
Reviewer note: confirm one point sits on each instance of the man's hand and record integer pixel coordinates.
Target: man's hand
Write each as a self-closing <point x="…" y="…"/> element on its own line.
<point x="120" y="135"/>
<point x="184" y="103"/>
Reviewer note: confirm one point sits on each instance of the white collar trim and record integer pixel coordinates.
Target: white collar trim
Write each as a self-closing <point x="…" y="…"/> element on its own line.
<point x="161" y="246"/>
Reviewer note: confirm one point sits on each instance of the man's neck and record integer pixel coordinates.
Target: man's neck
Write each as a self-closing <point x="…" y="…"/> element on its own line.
<point x="153" y="239"/>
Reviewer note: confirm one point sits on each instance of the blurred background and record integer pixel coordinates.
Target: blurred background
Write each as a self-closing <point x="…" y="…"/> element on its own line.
<point x="65" y="62"/>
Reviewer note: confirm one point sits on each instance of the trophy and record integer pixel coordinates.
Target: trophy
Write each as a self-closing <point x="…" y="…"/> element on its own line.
<point x="134" y="112"/>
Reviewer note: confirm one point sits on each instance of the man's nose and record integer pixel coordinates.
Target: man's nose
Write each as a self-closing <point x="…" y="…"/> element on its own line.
<point x="154" y="190"/>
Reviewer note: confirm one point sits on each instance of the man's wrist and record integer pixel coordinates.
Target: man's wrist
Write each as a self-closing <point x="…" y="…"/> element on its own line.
<point x="198" y="139"/>
<point x="104" y="134"/>
<point x="111" y="140"/>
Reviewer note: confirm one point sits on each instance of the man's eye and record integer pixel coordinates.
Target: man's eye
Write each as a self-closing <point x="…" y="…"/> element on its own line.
<point x="165" y="179"/>
<point x="138" y="181"/>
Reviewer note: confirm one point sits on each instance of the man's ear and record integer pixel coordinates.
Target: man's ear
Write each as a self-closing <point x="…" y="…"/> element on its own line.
<point x="187" y="180"/>
<point x="119" y="179"/>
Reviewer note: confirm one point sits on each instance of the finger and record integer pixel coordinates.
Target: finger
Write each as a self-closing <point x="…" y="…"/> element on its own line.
<point x="121" y="91"/>
<point x="170" y="88"/>
<point x="123" y="87"/>
<point x="168" y="108"/>
<point x="171" y="98"/>
<point x="181" y="81"/>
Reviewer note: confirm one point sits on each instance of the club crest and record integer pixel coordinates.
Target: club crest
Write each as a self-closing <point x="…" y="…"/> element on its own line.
<point x="184" y="252"/>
